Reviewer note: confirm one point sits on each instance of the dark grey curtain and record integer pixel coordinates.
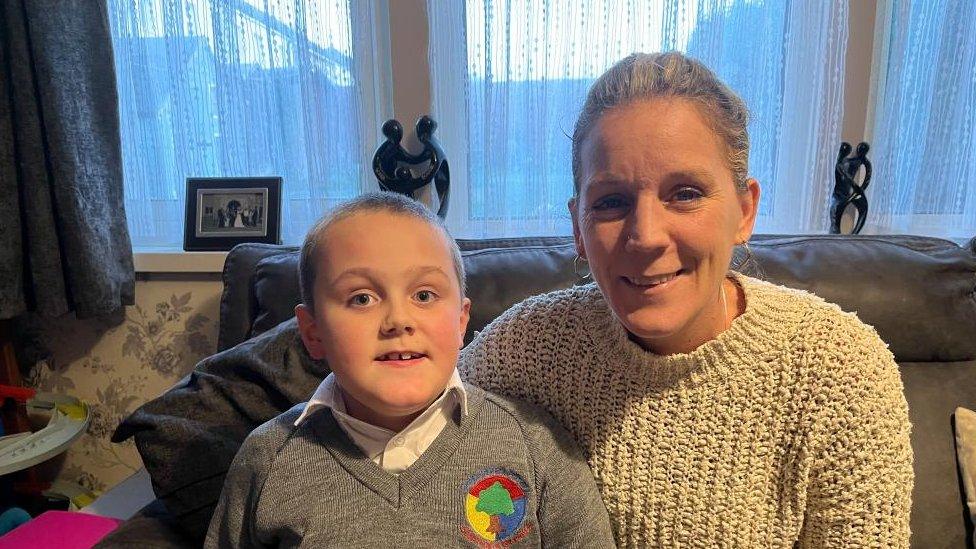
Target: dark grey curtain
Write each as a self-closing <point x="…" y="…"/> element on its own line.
<point x="64" y="243"/>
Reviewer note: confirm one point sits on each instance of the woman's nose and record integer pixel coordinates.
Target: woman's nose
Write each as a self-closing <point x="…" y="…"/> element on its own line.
<point x="647" y="229"/>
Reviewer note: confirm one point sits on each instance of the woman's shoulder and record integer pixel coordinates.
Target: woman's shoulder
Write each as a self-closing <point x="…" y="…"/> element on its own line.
<point x="549" y="311"/>
<point x="800" y="303"/>
<point x="822" y="327"/>
<point x="575" y="296"/>
<point x="782" y="297"/>
<point x="551" y="324"/>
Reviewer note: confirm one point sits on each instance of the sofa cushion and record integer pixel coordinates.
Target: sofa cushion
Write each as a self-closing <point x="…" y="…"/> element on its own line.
<point x="965" y="429"/>
<point x="501" y="277"/>
<point x="276" y="290"/>
<point x="933" y="391"/>
<point x="918" y="292"/>
<point x="238" y="303"/>
<point x="188" y="436"/>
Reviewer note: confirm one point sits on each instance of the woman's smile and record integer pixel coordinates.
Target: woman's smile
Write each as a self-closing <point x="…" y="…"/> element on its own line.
<point x="652" y="285"/>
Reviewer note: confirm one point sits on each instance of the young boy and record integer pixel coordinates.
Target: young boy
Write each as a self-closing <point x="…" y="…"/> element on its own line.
<point x="393" y="450"/>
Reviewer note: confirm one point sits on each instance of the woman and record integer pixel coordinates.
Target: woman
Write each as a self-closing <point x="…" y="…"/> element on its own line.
<point x="716" y="410"/>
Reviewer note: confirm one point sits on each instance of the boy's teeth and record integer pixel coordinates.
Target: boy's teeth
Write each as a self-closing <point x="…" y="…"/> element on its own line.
<point x="400" y="356"/>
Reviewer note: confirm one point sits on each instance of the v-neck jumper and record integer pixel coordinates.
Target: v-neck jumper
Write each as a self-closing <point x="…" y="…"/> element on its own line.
<point x="502" y="475"/>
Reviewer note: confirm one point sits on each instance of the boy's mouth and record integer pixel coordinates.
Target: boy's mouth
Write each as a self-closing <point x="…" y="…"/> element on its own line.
<point x="400" y="356"/>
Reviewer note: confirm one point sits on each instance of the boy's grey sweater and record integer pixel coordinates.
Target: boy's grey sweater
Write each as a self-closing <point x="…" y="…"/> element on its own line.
<point x="311" y="486"/>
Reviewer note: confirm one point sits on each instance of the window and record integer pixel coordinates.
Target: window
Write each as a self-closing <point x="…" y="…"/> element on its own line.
<point x="300" y="88"/>
<point x="510" y="84"/>
<point x="244" y="88"/>
<point x="925" y="127"/>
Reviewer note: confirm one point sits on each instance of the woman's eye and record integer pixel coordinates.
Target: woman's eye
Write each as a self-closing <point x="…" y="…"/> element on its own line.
<point x="686" y="194"/>
<point x="361" y="300"/>
<point x="425" y="296"/>
<point x="609" y="203"/>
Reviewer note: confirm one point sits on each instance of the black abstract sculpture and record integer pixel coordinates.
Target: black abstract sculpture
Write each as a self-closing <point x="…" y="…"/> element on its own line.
<point x="847" y="191"/>
<point x="399" y="171"/>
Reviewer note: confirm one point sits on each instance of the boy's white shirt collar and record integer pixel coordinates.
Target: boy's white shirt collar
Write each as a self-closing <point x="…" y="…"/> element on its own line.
<point x="392" y="451"/>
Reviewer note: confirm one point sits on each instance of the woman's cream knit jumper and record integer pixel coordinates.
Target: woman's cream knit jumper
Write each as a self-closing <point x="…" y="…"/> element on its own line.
<point x="791" y="425"/>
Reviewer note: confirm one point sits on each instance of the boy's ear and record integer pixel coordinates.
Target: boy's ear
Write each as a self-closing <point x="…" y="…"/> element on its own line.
<point x="463" y="323"/>
<point x="308" y="328"/>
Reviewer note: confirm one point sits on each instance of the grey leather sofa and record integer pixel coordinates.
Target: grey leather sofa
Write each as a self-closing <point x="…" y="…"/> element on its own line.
<point x="920" y="294"/>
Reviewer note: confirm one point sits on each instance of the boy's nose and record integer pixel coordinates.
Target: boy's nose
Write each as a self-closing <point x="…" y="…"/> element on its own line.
<point x="397" y="321"/>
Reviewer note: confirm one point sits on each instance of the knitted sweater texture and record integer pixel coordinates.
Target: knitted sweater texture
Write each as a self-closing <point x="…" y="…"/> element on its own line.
<point x="791" y="427"/>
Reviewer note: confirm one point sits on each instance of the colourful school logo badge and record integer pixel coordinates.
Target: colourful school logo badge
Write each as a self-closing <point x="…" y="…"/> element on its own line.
<point x="494" y="506"/>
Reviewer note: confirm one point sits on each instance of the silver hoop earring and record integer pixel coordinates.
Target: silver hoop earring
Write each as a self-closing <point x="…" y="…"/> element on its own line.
<point x="576" y="268"/>
<point x="746" y="264"/>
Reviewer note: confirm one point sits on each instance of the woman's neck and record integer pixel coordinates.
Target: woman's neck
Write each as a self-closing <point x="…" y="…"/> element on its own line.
<point x="726" y="306"/>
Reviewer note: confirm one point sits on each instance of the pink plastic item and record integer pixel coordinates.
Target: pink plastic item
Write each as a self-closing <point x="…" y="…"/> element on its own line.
<point x="61" y="530"/>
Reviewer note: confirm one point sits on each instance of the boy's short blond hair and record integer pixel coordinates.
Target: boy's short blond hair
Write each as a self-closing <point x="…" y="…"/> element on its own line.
<point x="389" y="202"/>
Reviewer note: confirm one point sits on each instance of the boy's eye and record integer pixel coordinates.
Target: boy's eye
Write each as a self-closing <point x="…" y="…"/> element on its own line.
<point x="425" y="296"/>
<point x="361" y="300"/>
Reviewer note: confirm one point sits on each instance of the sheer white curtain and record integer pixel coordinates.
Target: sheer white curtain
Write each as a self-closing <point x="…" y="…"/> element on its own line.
<point x="245" y="88"/>
<point x="509" y="77"/>
<point x="924" y="133"/>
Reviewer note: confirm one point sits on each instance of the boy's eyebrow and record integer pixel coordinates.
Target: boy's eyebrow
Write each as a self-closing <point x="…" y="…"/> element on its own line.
<point x="422" y="270"/>
<point x="355" y="271"/>
<point x="414" y="272"/>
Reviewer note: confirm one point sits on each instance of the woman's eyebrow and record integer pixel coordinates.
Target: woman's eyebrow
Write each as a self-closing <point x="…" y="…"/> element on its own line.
<point x="704" y="176"/>
<point x="604" y="180"/>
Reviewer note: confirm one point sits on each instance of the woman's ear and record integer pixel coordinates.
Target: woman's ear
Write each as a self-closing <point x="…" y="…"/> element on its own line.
<point x="577" y="234"/>
<point x="749" y="206"/>
<point x="309" y="329"/>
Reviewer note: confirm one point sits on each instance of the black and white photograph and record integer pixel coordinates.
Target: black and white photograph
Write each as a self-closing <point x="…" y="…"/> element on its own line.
<point x="224" y="212"/>
<point x="237" y="214"/>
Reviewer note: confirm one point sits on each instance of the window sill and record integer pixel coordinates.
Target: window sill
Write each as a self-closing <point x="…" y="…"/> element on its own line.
<point x="162" y="260"/>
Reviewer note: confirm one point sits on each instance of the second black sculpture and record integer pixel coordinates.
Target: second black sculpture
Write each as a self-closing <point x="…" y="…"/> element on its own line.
<point x="399" y="171"/>
<point x="847" y="191"/>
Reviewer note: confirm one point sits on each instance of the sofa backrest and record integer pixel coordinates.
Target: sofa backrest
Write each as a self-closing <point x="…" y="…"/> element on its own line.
<point x="917" y="292"/>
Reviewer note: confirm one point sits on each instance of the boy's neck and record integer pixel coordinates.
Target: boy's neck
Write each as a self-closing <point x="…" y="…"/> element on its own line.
<point x="393" y="423"/>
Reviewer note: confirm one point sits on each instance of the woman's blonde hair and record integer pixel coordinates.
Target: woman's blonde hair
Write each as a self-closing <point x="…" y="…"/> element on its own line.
<point x="645" y="76"/>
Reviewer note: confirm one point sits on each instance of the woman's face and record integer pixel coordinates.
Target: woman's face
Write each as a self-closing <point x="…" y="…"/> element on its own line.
<point x="657" y="217"/>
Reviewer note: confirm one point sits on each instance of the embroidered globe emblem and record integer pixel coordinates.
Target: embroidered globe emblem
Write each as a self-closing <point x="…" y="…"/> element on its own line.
<point x="495" y="505"/>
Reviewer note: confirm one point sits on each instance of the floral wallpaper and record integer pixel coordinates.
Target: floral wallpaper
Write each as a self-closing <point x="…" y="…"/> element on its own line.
<point x="117" y="368"/>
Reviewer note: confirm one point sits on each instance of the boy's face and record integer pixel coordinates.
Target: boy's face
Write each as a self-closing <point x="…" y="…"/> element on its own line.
<point x="389" y="317"/>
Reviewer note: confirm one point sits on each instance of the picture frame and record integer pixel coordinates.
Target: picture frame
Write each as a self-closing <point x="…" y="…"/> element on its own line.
<point x="222" y="212"/>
